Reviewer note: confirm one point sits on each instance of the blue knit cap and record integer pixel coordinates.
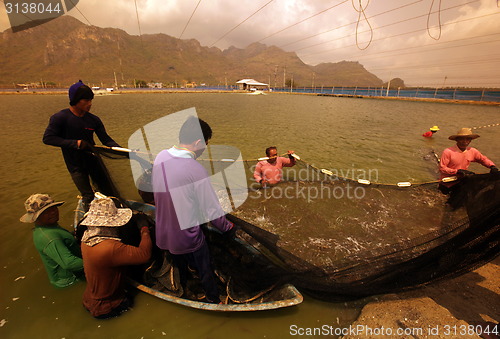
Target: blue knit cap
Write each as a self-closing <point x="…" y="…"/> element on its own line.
<point x="79" y="91"/>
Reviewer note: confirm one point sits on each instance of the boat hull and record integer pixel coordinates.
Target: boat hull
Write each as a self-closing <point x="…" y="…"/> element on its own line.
<point x="283" y="296"/>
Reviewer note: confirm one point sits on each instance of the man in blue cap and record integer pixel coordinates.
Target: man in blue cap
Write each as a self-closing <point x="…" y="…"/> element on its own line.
<point x="73" y="129"/>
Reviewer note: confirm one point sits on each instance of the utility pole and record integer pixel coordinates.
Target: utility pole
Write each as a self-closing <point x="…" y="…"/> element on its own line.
<point x="388" y="85"/>
<point x="312" y="84"/>
<point x="275" y="75"/>
<point x="120" y="57"/>
<point x="284" y="77"/>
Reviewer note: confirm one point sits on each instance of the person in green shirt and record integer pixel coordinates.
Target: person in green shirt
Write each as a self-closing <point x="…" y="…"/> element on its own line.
<point x="58" y="248"/>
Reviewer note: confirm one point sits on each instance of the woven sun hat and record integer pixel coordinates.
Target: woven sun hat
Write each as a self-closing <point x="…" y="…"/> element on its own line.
<point x="434" y="128"/>
<point x="464" y="132"/>
<point x="103" y="212"/>
<point x="36" y="204"/>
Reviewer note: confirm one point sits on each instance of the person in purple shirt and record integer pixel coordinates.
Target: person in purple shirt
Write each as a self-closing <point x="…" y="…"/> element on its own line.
<point x="73" y="130"/>
<point x="184" y="200"/>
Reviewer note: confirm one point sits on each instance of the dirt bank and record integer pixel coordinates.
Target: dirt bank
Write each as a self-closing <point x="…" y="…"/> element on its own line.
<point x="449" y="309"/>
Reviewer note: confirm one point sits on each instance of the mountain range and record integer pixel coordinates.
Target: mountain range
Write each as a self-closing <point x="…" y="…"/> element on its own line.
<point x="64" y="50"/>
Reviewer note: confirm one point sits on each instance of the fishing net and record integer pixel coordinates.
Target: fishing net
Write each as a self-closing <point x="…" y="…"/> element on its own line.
<point x="340" y="238"/>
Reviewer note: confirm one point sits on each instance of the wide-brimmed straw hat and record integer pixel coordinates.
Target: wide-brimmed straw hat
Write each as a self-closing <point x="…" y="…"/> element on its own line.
<point x="36" y="204"/>
<point x="434" y="128"/>
<point x="103" y="212"/>
<point x="464" y="132"/>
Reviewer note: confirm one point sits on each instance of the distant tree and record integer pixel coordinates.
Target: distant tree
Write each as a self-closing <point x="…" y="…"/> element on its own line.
<point x="396" y="83"/>
<point x="141" y="84"/>
<point x="288" y="83"/>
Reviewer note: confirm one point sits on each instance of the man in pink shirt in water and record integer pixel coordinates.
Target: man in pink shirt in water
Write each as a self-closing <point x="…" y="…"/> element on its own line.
<point x="456" y="159"/>
<point x="270" y="171"/>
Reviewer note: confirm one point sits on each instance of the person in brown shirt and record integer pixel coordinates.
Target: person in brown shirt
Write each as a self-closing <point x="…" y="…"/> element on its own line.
<point x="105" y="258"/>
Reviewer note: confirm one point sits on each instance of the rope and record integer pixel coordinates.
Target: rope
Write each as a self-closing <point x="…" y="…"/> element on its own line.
<point x="439" y="20"/>
<point x="402" y="184"/>
<point x="362" y="10"/>
<point x="328" y="173"/>
<point x="490" y="125"/>
<point x="126" y="151"/>
<point x="258" y="295"/>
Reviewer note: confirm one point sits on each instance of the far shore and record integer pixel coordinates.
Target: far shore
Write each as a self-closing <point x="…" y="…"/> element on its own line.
<point x="171" y="91"/>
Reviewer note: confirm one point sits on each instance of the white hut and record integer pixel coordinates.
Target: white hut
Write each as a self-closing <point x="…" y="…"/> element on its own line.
<point x="251" y="85"/>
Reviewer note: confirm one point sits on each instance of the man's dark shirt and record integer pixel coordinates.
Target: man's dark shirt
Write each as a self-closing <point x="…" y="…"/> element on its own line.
<point x="65" y="129"/>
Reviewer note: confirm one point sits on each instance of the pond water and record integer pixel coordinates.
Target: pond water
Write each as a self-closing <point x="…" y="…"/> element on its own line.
<point x="352" y="135"/>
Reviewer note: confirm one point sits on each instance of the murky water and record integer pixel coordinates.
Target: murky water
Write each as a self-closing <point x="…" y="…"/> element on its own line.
<point x="343" y="134"/>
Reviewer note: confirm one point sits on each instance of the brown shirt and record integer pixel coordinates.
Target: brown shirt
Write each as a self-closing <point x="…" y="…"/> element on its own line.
<point x="103" y="265"/>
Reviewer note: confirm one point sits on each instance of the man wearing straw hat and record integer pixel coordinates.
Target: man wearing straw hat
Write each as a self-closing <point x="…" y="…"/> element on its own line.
<point x="58" y="248"/>
<point x="105" y="258"/>
<point x="455" y="160"/>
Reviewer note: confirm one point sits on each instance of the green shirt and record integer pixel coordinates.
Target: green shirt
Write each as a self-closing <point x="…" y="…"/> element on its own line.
<point x="60" y="254"/>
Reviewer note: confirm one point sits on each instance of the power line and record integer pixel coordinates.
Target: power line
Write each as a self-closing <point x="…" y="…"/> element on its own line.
<point x="238" y="25"/>
<point x="447" y="65"/>
<point x="444" y="42"/>
<point x="449" y="23"/>
<point x="187" y="23"/>
<point x="391" y="24"/>
<point x="472" y="44"/>
<point x="433" y="50"/>
<point x="301" y="21"/>
<point x="352" y="23"/>
<point x="138" y="22"/>
<point x="454" y="82"/>
<point x="457" y="64"/>
<point x="80" y="12"/>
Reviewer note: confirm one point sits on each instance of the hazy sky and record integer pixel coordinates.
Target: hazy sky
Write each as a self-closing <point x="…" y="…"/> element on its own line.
<point x="458" y="44"/>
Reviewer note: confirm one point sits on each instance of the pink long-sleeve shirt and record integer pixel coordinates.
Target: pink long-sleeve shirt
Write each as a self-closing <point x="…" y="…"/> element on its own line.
<point x="454" y="159"/>
<point x="271" y="172"/>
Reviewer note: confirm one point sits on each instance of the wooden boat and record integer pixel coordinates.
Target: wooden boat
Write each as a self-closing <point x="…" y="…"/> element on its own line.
<point x="285" y="296"/>
<point x="274" y="298"/>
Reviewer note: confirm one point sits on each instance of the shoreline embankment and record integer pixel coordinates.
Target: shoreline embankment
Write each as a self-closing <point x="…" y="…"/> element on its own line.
<point x="184" y="91"/>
